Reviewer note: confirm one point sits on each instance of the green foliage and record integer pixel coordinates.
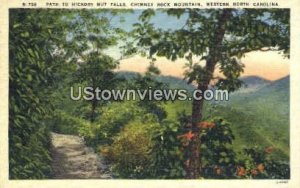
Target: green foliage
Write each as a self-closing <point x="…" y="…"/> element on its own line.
<point x="218" y="157"/>
<point x="171" y="149"/>
<point x="96" y="72"/>
<point x="30" y="159"/>
<point x="30" y="75"/>
<point x="231" y="69"/>
<point x="112" y="119"/>
<point x="259" y="163"/>
<point x="63" y="123"/>
<point x="43" y="47"/>
<point x="130" y="152"/>
<point x="147" y="82"/>
<point x="167" y="154"/>
<point x="94" y="66"/>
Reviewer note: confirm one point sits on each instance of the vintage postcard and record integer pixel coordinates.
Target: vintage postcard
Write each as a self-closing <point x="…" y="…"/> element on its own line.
<point x="150" y="93"/>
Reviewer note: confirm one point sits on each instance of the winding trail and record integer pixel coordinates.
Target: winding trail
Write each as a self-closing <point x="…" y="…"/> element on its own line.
<point x="73" y="160"/>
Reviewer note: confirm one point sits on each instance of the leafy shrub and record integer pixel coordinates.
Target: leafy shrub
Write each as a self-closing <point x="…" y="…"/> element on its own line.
<point x="217" y="157"/>
<point x="112" y="119"/>
<point x="259" y="163"/>
<point x="30" y="77"/>
<point x="170" y="155"/>
<point x="30" y="159"/>
<point x="167" y="153"/>
<point x="64" y="123"/>
<point x="130" y="152"/>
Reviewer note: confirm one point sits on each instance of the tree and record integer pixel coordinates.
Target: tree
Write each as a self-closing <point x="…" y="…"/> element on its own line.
<point x="96" y="72"/>
<point x="32" y="63"/>
<point x="44" y="46"/>
<point x="94" y="66"/>
<point x="217" y="37"/>
<point x="146" y="82"/>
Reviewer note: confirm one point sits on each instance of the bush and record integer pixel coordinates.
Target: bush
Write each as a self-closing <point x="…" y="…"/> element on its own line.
<point x="167" y="154"/>
<point x="30" y="79"/>
<point x="112" y="119"/>
<point x="130" y="152"/>
<point x="170" y="154"/>
<point x="217" y="157"/>
<point x="259" y="163"/>
<point x="64" y="123"/>
<point x="30" y="159"/>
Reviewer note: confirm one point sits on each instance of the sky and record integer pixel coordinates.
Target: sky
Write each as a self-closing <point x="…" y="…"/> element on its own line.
<point x="269" y="65"/>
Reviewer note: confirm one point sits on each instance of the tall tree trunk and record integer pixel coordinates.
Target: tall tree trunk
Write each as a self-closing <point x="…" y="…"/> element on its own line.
<point x="193" y="164"/>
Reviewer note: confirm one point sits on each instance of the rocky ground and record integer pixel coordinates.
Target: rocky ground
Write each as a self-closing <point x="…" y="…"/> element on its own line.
<point x="73" y="160"/>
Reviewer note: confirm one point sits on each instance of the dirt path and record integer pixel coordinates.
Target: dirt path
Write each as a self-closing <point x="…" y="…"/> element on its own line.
<point x="73" y="160"/>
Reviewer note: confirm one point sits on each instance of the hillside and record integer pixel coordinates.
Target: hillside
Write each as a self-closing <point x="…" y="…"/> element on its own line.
<point x="274" y="95"/>
<point x="259" y="117"/>
<point x="252" y="84"/>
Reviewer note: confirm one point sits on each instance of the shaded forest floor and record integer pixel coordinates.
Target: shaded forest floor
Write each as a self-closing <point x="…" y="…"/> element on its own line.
<point x="73" y="160"/>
